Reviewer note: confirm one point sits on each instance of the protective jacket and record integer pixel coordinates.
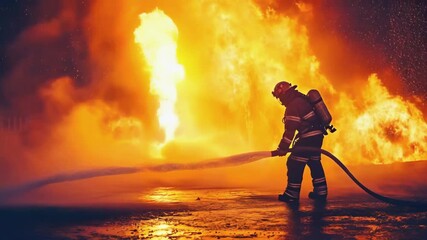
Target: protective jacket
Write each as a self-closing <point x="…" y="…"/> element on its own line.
<point x="299" y="116"/>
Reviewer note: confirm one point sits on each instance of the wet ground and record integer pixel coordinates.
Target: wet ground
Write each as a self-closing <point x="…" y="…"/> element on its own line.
<point x="166" y="213"/>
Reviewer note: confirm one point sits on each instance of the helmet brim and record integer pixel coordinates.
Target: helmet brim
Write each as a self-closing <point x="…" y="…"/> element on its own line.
<point x="283" y="93"/>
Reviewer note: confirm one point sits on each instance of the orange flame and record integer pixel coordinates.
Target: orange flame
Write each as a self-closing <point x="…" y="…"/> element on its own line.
<point x="157" y="36"/>
<point x="383" y="128"/>
<point x="225" y="105"/>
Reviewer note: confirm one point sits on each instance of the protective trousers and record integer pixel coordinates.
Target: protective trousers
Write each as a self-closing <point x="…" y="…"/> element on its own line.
<point x="296" y="164"/>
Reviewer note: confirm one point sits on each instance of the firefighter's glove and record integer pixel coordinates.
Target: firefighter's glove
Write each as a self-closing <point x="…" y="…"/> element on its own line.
<point x="283" y="145"/>
<point x="278" y="152"/>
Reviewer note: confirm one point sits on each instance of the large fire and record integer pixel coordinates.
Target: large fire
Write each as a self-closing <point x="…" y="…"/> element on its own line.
<point x="381" y="128"/>
<point x="157" y="36"/>
<point x="233" y="53"/>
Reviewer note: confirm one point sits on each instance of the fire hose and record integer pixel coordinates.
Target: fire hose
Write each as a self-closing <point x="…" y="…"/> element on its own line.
<point x="234" y="160"/>
<point x="380" y="197"/>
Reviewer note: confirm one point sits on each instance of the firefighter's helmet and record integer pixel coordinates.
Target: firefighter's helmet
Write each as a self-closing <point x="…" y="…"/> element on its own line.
<point x="281" y="88"/>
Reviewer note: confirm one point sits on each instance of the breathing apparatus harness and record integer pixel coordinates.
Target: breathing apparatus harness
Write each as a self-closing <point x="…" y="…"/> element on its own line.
<point x="285" y="92"/>
<point x="314" y="98"/>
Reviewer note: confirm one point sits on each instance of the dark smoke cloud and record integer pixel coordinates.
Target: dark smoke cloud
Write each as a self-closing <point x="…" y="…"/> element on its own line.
<point x="58" y="43"/>
<point x="46" y="43"/>
<point x="58" y="66"/>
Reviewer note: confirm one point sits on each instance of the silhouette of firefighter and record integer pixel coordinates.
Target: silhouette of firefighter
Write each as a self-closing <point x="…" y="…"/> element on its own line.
<point x="308" y="116"/>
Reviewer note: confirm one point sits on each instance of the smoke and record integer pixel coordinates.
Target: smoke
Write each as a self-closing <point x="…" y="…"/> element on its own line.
<point x="66" y="80"/>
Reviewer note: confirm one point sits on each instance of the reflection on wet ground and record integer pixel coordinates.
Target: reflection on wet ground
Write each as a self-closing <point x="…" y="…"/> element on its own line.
<point x="167" y="213"/>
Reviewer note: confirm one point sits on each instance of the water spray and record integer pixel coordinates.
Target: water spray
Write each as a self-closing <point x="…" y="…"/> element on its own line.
<point x="233" y="160"/>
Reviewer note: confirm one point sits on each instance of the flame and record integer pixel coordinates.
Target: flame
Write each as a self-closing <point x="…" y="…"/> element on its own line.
<point x="157" y="36"/>
<point x="224" y="104"/>
<point x="386" y="129"/>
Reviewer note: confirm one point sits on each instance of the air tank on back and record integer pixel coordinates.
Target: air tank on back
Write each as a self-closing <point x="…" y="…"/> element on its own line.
<point x="320" y="109"/>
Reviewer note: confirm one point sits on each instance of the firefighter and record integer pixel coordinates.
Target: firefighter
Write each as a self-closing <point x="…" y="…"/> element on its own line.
<point x="300" y="117"/>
